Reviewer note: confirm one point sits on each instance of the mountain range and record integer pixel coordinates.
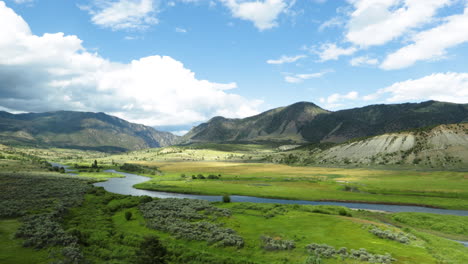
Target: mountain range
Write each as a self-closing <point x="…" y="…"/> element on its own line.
<point x="82" y="130"/>
<point x="299" y="123"/>
<point x="306" y="122"/>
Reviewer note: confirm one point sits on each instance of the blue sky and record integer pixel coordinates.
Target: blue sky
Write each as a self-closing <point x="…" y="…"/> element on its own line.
<point x="174" y="64"/>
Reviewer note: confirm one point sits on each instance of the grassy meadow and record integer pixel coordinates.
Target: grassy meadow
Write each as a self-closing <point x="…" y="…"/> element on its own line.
<point x="94" y="226"/>
<point x="443" y="189"/>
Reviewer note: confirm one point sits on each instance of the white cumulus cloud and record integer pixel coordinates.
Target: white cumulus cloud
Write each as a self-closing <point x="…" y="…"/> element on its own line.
<point x="55" y="72"/>
<point x="262" y="13"/>
<point x="335" y="100"/>
<point x="376" y="22"/>
<point x="431" y="44"/>
<point x="123" y="14"/>
<point x="330" y="51"/>
<point x="448" y="87"/>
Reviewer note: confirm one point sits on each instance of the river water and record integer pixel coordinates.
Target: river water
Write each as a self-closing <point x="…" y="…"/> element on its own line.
<point x="125" y="186"/>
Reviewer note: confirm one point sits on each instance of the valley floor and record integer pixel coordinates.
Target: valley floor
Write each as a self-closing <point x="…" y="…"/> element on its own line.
<point x="101" y="227"/>
<point x="442" y="189"/>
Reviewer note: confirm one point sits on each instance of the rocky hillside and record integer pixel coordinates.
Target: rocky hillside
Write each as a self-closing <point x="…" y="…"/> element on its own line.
<point x="83" y="130"/>
<point x="443" y="146"/>
<point x="306" y="122"/>
<point x="279" y="124"/>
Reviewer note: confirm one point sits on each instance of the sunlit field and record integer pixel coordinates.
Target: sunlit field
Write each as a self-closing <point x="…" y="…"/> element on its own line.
<point x="440" y="189"/>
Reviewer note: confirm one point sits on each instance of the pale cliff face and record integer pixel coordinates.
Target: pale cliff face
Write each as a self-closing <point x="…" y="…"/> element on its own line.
<point x="442" y="145"/>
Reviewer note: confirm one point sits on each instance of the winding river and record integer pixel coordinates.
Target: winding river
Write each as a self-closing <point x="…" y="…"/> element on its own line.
<point x="125" y="186"/>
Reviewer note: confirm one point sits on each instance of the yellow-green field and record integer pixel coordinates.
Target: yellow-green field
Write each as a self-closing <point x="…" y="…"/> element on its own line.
<point x="441" y="189"/>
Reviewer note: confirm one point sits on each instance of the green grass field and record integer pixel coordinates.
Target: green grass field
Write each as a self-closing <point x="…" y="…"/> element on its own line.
<point x="12" y="250"/>
<point x="452" y="226"/>
<point x="251" y="221"/>
<point x="107" y="237"/>
<point x="440" y="189"/>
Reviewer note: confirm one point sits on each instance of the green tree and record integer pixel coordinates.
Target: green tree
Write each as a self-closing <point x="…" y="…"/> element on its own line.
<point x="151" y="251"/>
<point x="128" y="215"/>
<point x="226" y="198"/>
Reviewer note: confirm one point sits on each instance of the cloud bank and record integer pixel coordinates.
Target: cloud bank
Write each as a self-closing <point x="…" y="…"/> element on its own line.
<point x="55" y="72"/>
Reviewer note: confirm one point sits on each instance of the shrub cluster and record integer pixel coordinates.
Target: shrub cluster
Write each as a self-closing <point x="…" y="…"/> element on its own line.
<point x="43" y="201"/>
<point x="327" y="251"/>
<point x="273" y="244"/>
<point x="327" y="209"/>
<point x="188" y="219"/>
<point x="134" y="168"/>
<point x="23" y="193"/>
<point x="387" y="234"/>
<point x="42" y="230"/>
<point x="313" y="259"/>
<point x="101" y="241"/>
<point x="203" y="177"/>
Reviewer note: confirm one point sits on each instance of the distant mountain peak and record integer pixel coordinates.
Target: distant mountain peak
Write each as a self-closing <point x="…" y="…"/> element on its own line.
<point x="84" y="130"/>
<point x="304" y="103"/>
<point x="307" y="122"/>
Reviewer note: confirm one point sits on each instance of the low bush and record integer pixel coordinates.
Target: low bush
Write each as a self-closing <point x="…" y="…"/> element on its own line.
<point x="43" y="230"/>
<point x="128" y="215"/>
<point x="362" y="254"/>
<point x="313" y="259"/>
<point x="273" y="244"/>
<point x="43" y="201"/>
<point x="344" y="212"/>
<point x="387" y="234"/>
<point x="151" y="251"/>
<point x="226" y="198"/>
<point x="181" y="218"/>
<point x="134" y="168"/>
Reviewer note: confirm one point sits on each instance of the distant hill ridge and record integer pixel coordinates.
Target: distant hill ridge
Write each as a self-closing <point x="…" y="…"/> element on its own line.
<point x="83" y="130"/>
<point x="306" y="122"/>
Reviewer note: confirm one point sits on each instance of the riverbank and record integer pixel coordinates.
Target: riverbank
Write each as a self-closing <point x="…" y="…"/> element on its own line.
<point x="125" y="186"/>
<point x="448" y="190"/>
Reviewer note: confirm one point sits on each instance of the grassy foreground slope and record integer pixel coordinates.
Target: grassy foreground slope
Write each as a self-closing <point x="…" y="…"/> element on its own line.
<point x="12" y="249"/>
<point x="102" y="233"/>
